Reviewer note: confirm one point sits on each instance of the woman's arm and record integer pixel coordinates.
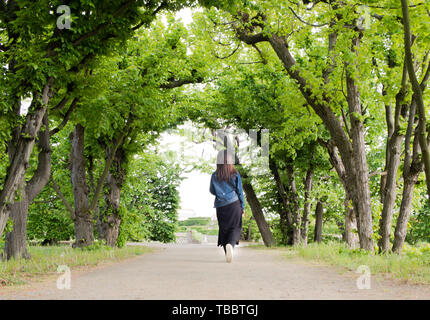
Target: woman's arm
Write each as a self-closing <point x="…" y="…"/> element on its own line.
<point x="211" y="187"/>
<point x="240" y="191"/>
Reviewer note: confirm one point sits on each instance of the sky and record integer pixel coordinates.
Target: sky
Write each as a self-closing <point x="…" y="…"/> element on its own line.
<point x="195" y="198"/>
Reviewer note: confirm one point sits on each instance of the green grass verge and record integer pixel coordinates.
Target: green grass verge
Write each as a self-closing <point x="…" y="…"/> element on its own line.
<point x="412" y="265"/>
<point x="45" y="261"/>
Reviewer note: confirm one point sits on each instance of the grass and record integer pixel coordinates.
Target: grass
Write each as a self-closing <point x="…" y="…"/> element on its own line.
<point x="45" y="261"/>
<point x="412" y="265"/>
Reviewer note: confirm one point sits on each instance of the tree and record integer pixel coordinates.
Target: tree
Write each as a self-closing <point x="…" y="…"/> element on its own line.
<point x="41" y="58"/>
<point x="418" y="89"/>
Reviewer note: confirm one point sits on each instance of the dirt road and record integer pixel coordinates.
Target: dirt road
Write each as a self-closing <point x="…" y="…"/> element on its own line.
<point x="200" y="272"/>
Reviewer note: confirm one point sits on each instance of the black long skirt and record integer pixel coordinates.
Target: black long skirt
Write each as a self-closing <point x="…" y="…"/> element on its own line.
<point x="230" y="223"/>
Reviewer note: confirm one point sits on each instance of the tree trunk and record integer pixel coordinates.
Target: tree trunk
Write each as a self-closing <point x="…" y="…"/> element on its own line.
<point x="318" y="222"/>
<point x="258" y="214"/>
<point x="22" y="149"/>
<point x="307" y="205"/>
<point x="111" y="219"/>
<point x="351" y="224"/>
<point x="294" y="205"/>
<point x="286" y="221"/>
<point x="16" y="240"/>
<point x="350" y="235"/>
<point x="389" y="183"/>
<point x="412" y="168"/>
<point x="405" y="209"/>
<point x="389" y="194"/>
<point x="418" y="94"/>
<point x="84" y="229"/>
<point x="352" y="152"/>
<point x="361" y="172"/>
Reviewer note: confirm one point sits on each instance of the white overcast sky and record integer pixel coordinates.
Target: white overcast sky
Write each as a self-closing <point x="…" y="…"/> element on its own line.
<point x="196" y="200"/>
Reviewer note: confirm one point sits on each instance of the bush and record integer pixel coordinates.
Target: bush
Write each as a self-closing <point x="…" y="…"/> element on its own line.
<point x="198" y="221"/>
<point x="45" y="223"/>
<point x="247" y="224"/>
<point x="196" y="236"/>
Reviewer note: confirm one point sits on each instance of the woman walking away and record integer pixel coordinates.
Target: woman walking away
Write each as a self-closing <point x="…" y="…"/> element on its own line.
<point x="226" y="185"/>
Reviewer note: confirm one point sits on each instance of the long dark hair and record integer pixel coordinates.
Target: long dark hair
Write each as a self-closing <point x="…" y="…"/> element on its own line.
<point x="225" y="169"/>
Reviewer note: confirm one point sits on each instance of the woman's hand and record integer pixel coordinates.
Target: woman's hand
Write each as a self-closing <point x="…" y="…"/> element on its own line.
<point x="243" y="213"/>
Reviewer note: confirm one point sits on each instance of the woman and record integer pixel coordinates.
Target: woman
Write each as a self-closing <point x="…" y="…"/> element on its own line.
<point x="226" y="185"/>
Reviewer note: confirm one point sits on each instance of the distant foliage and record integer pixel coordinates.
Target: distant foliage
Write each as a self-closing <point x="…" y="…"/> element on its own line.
<point x="198" y="221"/>
<point x="151" y="200"/>
<point x="249" y="227"/>
<point x="48" y="220"/>
<point x="419" y="229"/>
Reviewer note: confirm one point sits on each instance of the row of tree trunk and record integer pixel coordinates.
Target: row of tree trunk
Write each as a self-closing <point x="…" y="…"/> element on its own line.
<point x="81" y="213"/>
<point x="347" y="147"/>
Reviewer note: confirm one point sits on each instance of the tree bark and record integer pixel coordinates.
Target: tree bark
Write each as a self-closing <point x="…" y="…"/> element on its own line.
<point x="388" y="187"/>
<point x="16" y="240"/>
<point x="83" y="220"/>
<point x="258" y="214"/>
<point x="307" y="205"/>
<point x="412" y="168"/>
<point x="389" y="192"/>
<point x="405" y="210"/>
<point x="286" y="221"/>
<point x="418" y="93"/>
<point x="111" y="219"/>
<point x="294" y="205"/>
<point x="22" y="149"/>
<point x="361" y="172"/>
<point x="318" y="222"/>
<point x="350" y="235"/>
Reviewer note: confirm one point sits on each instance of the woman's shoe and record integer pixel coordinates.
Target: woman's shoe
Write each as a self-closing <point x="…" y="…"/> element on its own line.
<point x="229" y="252"/>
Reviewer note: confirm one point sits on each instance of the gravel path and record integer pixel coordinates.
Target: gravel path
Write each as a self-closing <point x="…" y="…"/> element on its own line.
<point x="192" y="271"/>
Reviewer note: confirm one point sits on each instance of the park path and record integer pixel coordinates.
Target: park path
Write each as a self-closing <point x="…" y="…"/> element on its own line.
<point x="192" y="271"/>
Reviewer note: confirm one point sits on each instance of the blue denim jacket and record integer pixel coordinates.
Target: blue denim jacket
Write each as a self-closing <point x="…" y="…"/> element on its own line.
<point x="227" y="192"/>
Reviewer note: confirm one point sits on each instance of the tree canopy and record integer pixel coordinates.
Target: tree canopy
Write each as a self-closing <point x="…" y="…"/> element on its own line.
<point x="340" y="87"/>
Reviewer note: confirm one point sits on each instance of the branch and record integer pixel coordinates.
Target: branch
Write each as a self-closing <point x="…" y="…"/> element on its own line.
<point x="163" y="5"/>
<point x="173" y="83"/>
<point x="260" y="53"/>
<point x="251" y="39"/>
<point x="108" y="164"/>
<point x="43" y="171"/>
<point x="66" y="117"/>
<point x="345" y="121"/>
<point x="61" y="104"/>
<point x="63" y="198"/>
<point x="395" y="8"/>
<point x="229" y="55"/>
<point x="309" y="24"/>
<point x="425" y="78"/>
<point x="376" y="173"/>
